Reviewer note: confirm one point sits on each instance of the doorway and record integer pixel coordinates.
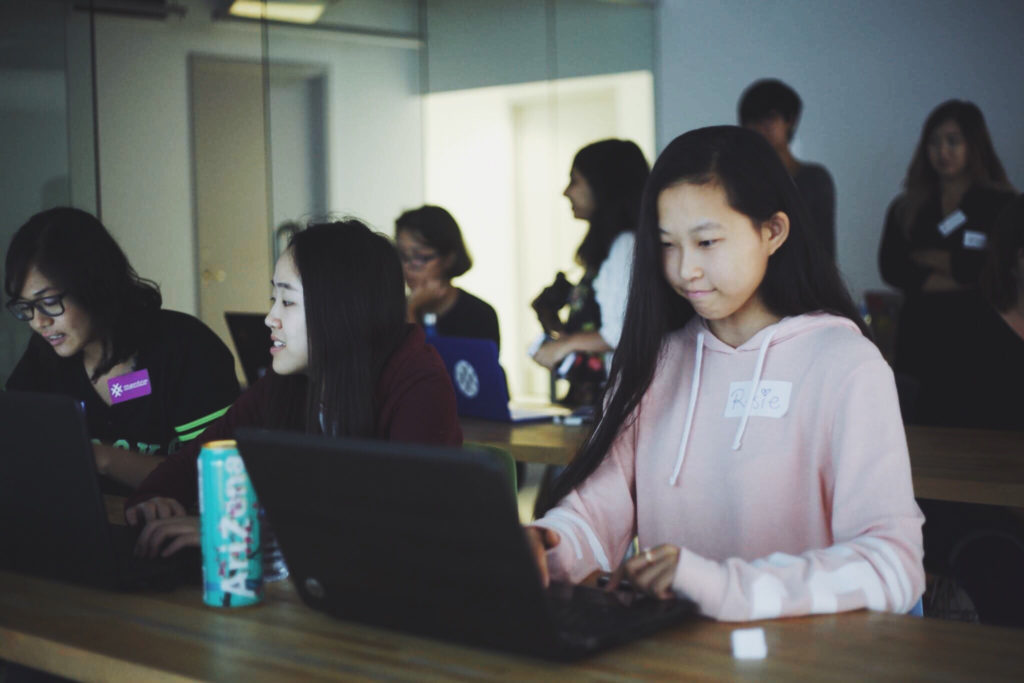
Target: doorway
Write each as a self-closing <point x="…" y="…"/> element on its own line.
<point x="235" y="212"/>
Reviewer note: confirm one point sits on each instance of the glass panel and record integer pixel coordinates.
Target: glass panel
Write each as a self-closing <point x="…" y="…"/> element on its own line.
<point x="475" y="106"/>
<point x="46" y="128"/>
<point x="516" y="88"/>
<point x="345" y="113"/>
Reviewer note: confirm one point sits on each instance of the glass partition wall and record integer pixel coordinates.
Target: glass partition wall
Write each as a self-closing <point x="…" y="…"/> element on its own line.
<point x="198" y="136"/>
<point x="513" y="90"/>
<point x="46" y="127"/>
<point x="477" y="107"/>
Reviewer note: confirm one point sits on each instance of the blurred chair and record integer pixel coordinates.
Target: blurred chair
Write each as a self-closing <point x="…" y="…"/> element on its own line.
<point x="502" y="457"/>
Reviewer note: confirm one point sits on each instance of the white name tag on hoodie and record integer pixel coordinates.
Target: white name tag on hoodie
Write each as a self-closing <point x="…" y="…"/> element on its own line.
<point x="770" y="400"/>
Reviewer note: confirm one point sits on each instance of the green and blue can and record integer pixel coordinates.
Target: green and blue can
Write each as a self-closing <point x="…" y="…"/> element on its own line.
<point x="229" y="528"/>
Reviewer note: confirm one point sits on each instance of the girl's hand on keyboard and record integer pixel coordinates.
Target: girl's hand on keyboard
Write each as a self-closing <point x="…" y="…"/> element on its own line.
<point x="540" y="541"/>
<point x="650" y="571"/>
<point x="164" y="537"/>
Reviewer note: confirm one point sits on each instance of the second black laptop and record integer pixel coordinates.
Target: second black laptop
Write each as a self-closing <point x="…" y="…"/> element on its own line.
<point x="427" y="540"/>
<point x="53" y="519"/>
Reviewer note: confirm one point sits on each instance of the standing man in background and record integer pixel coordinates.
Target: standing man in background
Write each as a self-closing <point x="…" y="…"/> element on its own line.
<point x="772" y="108"/>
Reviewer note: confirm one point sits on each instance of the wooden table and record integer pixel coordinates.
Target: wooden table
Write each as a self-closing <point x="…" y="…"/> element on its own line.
<point x="546" y="443"/>
<point x="967" y="465"/>
<point x="89" y="635"/>
<point x="963" y="465"/>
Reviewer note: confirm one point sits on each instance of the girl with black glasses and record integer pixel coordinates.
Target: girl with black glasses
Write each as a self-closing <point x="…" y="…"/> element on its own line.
<point x="148" y="379"/>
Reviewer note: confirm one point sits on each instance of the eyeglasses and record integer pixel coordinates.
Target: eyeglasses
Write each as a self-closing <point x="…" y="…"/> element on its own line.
<point x="24" y="309"/>
<point x="416" y="261"/>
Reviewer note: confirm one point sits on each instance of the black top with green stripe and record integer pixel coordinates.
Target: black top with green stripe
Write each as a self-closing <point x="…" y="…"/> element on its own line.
<point x="191" y="372"/>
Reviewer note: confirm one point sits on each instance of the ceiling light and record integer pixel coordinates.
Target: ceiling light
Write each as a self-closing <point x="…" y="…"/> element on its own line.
<point x="292" y="12"/>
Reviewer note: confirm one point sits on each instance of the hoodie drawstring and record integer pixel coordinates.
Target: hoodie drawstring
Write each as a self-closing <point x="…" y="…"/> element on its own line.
<point x="753" y="389"/>
<point x="694" y="389"/>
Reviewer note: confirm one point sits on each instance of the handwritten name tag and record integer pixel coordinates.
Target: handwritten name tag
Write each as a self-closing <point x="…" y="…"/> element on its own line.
<point x="127" y="387"/>
<point x="975" y="240"/>
<point x="770" y="400"/>
<point x="952" y="222"/>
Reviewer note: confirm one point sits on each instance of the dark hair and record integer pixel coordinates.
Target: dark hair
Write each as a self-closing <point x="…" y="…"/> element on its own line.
<point x="770" y="96"/>
<point x="616" y="171"/>
<point x="983" y="165"/>
<point x="354" y="301"/>
<point x="77" y="254"/>
<point x="438" y="229"/>
<point x="1001" y="279"/>
<point x="800" y="278"/>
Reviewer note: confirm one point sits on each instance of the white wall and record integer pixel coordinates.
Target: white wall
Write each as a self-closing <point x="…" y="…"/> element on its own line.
<point x="373" y="120"/>
<point x="869" y="72"/>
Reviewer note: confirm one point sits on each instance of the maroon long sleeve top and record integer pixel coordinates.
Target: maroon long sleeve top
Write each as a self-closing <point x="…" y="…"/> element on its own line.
<point x="414" y="402"/>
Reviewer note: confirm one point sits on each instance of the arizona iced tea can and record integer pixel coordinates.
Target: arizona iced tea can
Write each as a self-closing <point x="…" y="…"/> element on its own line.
<point x="229" y="528"/>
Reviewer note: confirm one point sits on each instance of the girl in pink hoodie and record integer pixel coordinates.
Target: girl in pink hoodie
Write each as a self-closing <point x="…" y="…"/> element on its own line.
<point x="751" y="435"/>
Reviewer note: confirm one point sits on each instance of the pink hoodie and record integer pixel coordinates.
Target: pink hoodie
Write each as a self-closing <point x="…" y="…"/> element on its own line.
<point x="797" y="502"/>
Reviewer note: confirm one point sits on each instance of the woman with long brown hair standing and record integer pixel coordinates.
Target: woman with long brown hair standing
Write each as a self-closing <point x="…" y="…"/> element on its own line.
<point x="936" y="232"/>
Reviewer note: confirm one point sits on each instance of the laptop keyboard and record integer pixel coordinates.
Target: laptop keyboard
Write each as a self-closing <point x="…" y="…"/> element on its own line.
<point x="145" y="572"/>
<point x="583" y="613"/>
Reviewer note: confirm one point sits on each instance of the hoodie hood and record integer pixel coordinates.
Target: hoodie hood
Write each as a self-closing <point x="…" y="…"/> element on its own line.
<point x="706" y="342"/>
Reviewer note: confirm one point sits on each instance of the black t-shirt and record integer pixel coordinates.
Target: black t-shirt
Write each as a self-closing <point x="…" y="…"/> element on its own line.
<point x="470" y="317"/>
<point x="192" y="381"/>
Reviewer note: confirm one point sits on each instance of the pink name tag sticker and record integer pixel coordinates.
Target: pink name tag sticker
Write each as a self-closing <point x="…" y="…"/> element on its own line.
<point x="127" y="387"/>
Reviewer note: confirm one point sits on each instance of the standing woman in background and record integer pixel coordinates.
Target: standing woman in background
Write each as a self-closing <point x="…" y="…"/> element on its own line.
<point x="605" y="185"/>
<point x="433" y="252"/>
<point x="148" y="379"/>
<point x="936" y="232"/>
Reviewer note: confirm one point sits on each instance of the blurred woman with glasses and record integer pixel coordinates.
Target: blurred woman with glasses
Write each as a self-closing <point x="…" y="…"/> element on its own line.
<point x="432" y="251"/>
<point x="148" y="379"/>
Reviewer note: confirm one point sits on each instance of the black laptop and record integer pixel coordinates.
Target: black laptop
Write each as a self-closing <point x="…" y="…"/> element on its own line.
<point x="53" y="520"/>
<point x="427" y="540"/>
<point x="251" y="337"/>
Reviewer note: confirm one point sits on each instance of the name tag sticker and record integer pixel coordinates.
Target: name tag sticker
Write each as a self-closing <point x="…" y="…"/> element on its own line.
<point x="975" y="240"/>
<point x="770" y="400"/>
<point x="127" y="387"/>
<point x="952" y="222"/>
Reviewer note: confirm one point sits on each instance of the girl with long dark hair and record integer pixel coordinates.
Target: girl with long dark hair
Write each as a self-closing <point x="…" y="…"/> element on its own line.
<point x="149" y="380"/>
<point x="750" y="437"/>
<point x="936" y="233"/>
<point x="345" y="363"/>
<point x="605" y="184"/>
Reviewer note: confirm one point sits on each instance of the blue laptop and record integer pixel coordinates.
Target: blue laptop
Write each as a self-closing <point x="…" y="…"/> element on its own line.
<point x="480" y="385"/>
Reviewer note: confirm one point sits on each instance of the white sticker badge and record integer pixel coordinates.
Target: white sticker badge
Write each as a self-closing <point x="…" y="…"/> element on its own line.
<point x="770" y="400"/>
<point x="974" y="239"/>
<point x="952" y="222"/>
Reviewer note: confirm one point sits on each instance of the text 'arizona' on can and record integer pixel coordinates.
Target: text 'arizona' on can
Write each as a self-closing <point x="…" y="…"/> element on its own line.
<point x="229" y="528"/>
